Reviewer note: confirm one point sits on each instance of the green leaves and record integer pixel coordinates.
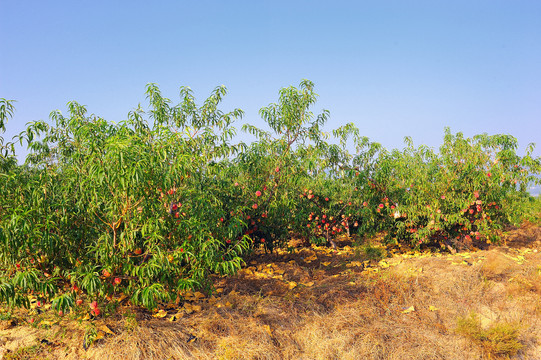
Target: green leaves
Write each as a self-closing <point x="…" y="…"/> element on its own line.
<point x="6" y="111"/>
<point x="154" y="204"/>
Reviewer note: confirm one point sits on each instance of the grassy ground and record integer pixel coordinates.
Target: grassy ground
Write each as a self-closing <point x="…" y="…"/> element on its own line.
<point x="366" y="302"/>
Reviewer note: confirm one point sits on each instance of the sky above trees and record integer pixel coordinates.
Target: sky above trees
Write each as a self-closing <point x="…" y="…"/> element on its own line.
<point x="393" y="68"/>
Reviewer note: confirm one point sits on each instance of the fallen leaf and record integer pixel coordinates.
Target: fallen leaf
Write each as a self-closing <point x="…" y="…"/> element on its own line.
<point x="105" y="329"/>
<point x="188" y="309"/>
<point x="292" y="284"/>
<point x="121" y="297"/>
<point x="326" y="263"/>
<point x="175" y="317"/>
<point x="432" y="308"/>
<point x="311" y="258"/>
<point x="408" y="310"/>
<point x="48" y="322"/>
<point x="198" y="295"/>
<point x="160" y="314"/>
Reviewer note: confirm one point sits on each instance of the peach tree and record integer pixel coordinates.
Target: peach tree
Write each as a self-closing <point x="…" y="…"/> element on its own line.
<point x="122" y="208"/>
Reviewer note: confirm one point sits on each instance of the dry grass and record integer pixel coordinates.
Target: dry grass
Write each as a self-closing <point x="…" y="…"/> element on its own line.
<point x="316" y="304"/>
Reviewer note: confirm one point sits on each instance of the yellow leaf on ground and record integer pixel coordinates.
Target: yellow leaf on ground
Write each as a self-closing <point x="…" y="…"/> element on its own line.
<point x="219" y="290"/>
<point x="99" y="335"/>
<point x="432" y="308"/>
<point x="326" y="263"/>
<point x="292" y="284"/>
<point x="371" y="270"/>
<point x="174" y="317"/>
<point x="105" y="329"/>
<point x="268" y="329"/>
<point x="260" y="275"/>
<point x="47" y="322"/>
<point x="198" y="295"/>
<point x="408" y="310"/>
<point x="160" y="314"/>
<point x="121" y="297"/>
<point x="308" y="284"/>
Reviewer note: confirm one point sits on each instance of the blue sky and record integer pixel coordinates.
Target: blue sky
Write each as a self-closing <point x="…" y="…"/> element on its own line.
<point x="393" y="68"/>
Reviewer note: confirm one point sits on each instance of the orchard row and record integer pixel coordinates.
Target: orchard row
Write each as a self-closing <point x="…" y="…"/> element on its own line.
<point x="153" y="205"/>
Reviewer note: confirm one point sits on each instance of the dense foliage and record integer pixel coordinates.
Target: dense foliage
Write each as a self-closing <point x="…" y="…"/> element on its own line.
<point x="153" y="205"/>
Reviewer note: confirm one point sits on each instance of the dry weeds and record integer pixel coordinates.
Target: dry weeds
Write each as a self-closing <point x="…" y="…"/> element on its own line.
<point x="319" y="304"/>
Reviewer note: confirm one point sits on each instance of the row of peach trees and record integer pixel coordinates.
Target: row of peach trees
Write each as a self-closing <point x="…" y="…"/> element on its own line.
<point x="153" y="205"/>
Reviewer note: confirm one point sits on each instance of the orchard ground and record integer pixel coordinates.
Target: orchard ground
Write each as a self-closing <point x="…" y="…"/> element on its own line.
<point x="307" y="302"/>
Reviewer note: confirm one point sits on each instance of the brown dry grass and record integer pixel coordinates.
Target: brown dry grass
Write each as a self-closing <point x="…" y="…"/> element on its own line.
<point x="479" y="305"/>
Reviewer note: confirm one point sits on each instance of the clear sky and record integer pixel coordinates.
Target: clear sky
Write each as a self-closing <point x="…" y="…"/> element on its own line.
<point x="393" y="68"/>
